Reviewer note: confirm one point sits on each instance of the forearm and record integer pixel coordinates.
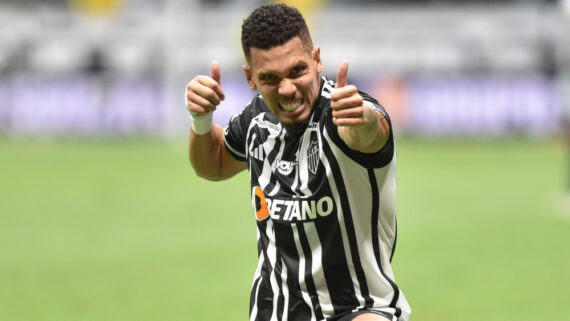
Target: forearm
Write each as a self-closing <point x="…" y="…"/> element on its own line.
<point x="370" y="137"/>
<point x="205" y="153"/>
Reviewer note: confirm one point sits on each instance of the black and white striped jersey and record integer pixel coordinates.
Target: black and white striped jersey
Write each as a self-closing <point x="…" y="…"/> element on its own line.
<point x="326" y="223"/>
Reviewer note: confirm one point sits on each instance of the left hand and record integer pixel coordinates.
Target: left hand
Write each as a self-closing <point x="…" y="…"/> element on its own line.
<point x="360" y="127"/>
<point x="347" y="103"/>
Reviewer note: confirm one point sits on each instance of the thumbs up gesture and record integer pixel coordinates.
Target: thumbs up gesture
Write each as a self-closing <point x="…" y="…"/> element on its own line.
<point x="346" y="102"/>
<point x="203" y="93"/>
<point x="360" y="127"/>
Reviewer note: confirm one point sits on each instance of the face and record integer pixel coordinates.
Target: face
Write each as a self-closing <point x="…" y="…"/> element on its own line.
<point x="288" y="79"/>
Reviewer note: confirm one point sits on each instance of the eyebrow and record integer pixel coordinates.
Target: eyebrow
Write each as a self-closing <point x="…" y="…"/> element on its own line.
<point x="299" y="63"/>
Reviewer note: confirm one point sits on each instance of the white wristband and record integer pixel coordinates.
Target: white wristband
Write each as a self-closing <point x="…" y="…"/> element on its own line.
<point x="202" y="124"/>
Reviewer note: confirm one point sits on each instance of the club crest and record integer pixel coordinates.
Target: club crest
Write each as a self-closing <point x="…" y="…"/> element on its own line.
<point x="313" y="156"/>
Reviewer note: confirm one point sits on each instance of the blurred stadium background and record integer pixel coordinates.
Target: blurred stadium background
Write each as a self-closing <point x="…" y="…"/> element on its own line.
<point x="101" y="217"/>
<point x="444" y="68"/>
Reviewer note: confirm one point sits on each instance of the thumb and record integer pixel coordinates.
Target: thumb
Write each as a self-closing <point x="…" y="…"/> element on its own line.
<point x="215" y="71"/>
<point x="341" y="74"/>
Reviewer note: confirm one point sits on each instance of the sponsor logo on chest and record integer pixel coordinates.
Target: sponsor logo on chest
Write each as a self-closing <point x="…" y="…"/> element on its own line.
<point x="292" y="210"/>
<point x="285" y="167"/>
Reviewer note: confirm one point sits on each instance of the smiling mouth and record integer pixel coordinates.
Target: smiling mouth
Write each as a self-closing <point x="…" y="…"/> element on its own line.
<point x="291" y="106"/>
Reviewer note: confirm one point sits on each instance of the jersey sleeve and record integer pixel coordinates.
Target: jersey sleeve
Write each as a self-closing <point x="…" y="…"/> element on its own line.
<point x="369" y="160"/>
<point x="235" y="134"/>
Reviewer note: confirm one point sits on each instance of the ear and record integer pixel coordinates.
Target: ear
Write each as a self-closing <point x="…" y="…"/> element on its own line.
<point x="249" y="77"/>
<point x="317" y="58"/>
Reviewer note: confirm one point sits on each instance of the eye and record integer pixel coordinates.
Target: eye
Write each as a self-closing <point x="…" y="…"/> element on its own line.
<point x="268" y="78"/>
<point x="298" y="70"/>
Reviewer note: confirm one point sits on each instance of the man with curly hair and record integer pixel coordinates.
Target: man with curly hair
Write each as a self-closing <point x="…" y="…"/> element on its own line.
<point x="321" y="160"/>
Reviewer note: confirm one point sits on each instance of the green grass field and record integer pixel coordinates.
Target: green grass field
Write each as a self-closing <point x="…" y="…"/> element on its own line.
<point x="105" y="231"/>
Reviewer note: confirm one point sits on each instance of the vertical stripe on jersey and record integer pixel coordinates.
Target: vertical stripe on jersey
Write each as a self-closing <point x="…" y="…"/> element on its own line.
<point x="297" y="308"/>
<point x="278" y="304"/>
<point x="345" y="212"/>
<point x="336" y="272"/>
<point x="270" y="273"/>
<point x="376" y="240"/>
<point x="253" y="298"/>
<point x="318" y="270"/>
<point x="308" y="277"/>
<point x="284" y="306"/>
<point x="302" y="274"/>
<point x="261" y="311"/>
<point x="275" y="275"/>
<point x="395" y="239"/>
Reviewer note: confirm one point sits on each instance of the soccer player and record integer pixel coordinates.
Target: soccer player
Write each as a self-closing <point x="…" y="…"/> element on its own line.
<point x="322" y="165"/>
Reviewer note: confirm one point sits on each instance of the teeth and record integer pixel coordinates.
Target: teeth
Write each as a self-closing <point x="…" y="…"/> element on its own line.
<point x="292" y="106"/>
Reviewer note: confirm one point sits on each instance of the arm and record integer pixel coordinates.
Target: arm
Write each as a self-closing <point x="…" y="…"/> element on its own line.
<point x="360" y="126"/>
<point x="210" y="158"/>
<point x="207" y="151"/>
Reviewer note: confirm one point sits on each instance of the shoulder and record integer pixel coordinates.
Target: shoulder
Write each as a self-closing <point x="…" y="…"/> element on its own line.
<point x="322" y="110"/>
<point x="254" y="107"/>
<point x="327" y="87"/>
<point x="368" y="160"/>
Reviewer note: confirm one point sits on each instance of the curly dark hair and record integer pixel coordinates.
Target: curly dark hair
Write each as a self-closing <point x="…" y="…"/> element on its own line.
<point x="273" y="25"/>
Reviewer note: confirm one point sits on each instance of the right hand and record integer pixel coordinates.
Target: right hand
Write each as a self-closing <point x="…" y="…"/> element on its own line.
<point x="203" y="93"/>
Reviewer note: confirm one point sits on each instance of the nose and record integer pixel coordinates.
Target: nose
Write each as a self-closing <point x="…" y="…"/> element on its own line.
<point x="287" y="88"/>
